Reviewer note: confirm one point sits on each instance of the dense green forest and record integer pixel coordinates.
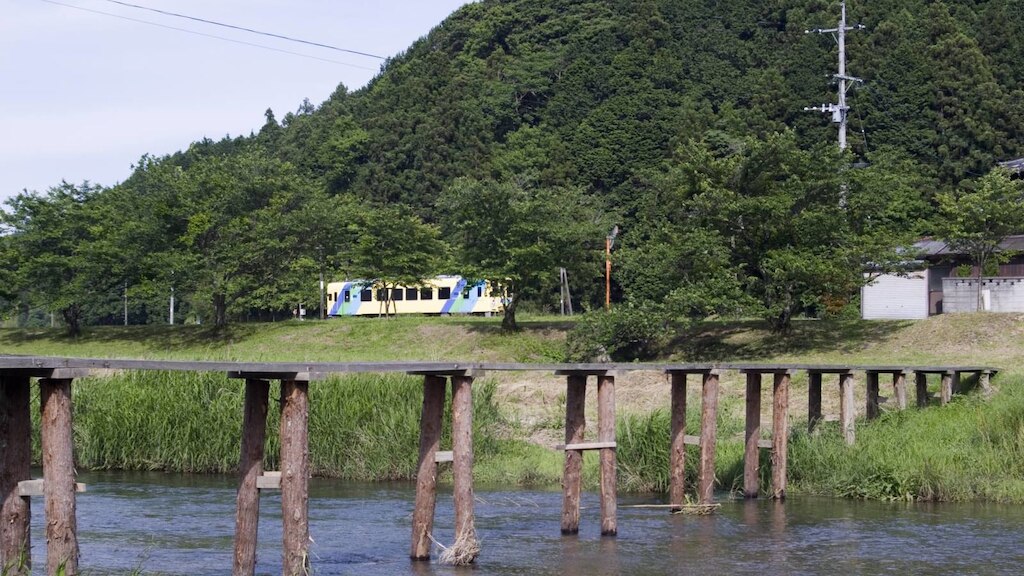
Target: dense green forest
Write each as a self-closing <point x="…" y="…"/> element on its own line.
<point x="508" y="141"/>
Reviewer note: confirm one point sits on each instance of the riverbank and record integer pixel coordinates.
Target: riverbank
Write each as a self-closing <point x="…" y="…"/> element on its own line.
<point x="367" y="428"/>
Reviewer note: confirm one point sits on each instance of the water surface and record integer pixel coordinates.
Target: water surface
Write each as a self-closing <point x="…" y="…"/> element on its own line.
<point x="183" y="525"/>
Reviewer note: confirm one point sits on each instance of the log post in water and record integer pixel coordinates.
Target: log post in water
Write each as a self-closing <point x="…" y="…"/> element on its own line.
<point x="606" y="434"/>
<point x="466" y="546"/>
<point x="751" y="453"/>
<point x="921" y="389"/>
<point x="250" y="467"/>
<point x="708" y="434"/>
<point x="15" y="460"/>
<point x="575" y="427"/>
<point x="946" y="390"/>
<point x="780" y="434"/>
<point x="677" y="454"/>
<point x="426" y="476"/>
<point x="813" y="400"/>
<point x="871" y="395"/>
<point x="847" y="410"/>
<point x="899" y="387"/>
<point x="58" y="476"/>
<point x="295" y="476"/>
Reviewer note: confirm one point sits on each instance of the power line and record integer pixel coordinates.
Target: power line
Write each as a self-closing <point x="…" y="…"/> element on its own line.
<point x="244" y="29"/>
<point x="187" y="31"/>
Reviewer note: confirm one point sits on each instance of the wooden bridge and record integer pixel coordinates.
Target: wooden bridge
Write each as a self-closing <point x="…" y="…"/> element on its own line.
<point x="58" y="486"/>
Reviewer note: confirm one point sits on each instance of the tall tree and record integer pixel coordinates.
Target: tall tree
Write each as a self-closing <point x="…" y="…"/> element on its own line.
<point x="394" y="248"/>
<point x="519" y="237"/>
<point x="977" y="218"/>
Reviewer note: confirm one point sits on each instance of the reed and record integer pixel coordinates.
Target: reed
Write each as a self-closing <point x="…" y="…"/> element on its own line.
<point x="363" y="427"/>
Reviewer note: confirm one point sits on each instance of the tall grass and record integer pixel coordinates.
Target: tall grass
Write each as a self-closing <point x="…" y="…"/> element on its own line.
<point x="971" y="449"/>
<point x="362" y="427"/>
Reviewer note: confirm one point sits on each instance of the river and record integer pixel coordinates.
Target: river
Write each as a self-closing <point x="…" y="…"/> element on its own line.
<point x="183" y="525"/>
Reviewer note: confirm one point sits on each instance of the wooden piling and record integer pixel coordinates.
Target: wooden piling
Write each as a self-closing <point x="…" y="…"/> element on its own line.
<point x="847" y="410"/>
<point x="15" y="460"/>
<point x="426" y="476"/>
<point x="708" y="434"/>
<point x="946" y="389"/>
<point x="575" y="427"/>
<point x="984" y="381"/>
<point x="677" y="450"/>
<point x="606" y="433"/>
<point x="780" y="434"/>
<point x="462" y="466"/>
<point x="295" y="476"/>
<point x="58" y="476"/>
<point x="921" y="389"/>
<point x="813" y="400"/>
<point x="899" y="387"/>
<point x="871" y="387"/>
<point x="752" y="454"/>
<point x="250" y="467"/>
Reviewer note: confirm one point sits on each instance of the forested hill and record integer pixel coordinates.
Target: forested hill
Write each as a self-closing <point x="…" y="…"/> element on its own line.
<point x="510" y="139"/>
<point x="593" y="92"/>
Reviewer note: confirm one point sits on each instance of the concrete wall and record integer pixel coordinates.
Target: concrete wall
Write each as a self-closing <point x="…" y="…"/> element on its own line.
<point x="998" y="294"/>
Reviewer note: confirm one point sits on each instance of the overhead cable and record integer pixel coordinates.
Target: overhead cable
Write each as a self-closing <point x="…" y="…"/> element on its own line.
<point x="244" y="29"/>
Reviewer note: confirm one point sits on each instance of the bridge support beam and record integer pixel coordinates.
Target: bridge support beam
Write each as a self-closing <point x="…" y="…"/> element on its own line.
<point x="15" y="462"/>
<point x="780" y="434"/>
<point x="708" y="436"/>
<point x="752" y="452"/>
<point x="677" y="454"/>
<point x="606" y="435"/>
<point x="295" y="476"/>
<point x="250" y="468"/>
<point x="426" y="476"/>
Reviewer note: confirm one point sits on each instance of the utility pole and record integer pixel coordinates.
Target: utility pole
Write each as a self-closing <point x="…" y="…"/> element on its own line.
<point x="609" y="242"/>
<point x="838" y="111"/>
<point x="125" y="302"/>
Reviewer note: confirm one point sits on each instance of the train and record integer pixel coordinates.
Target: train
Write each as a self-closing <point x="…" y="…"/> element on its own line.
<point x="438" y="295"/>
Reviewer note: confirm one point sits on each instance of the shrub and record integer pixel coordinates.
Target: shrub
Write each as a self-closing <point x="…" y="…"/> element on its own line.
<point x="624" y="333"/>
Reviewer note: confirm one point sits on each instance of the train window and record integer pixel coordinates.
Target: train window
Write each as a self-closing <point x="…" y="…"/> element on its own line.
<point x="348" y="296"/>
<point x="444" y="293"/>
<point x="366" y="295"/>
<point x="426" y="293"/>
<point x="479" y="291"/>
<point x="465" y="293"/>
<point x="381" y="295"/>
<point x="397" y="294"/>
<point x="412" y="294"/>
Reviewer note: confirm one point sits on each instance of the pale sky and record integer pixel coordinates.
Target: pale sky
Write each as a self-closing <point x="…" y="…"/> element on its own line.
<point x="84" y="95"/>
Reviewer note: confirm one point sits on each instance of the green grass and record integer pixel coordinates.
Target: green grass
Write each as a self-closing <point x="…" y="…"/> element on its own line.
<point x="340" y="339"/>
<point x="362" y="427"/>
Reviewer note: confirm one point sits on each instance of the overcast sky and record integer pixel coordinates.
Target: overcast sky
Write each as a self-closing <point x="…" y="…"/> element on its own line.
<point x="84" y="95"/>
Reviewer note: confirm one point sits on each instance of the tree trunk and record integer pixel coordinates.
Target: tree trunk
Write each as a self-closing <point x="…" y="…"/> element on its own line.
<point x="509" y="320"/>
<point x="220" y="309"/>
<point x="72" y="315"/>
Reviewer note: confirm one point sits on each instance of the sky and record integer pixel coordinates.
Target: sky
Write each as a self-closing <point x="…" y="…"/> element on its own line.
<point x="84" y="95"/>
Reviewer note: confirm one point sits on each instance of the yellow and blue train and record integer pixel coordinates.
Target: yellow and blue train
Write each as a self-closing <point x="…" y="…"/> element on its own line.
<point x="438" y="295"/>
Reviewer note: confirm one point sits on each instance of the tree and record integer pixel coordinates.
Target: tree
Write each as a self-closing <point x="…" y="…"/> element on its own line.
<point x="519" y="237"/>
<point x="58" y="262"/>
<point x="394" y="248"/>
<point x="762" y="225"/>
<point x="975" y="220"/>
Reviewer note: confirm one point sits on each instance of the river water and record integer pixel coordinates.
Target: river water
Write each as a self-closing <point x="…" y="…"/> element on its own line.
<point x="183" y="525"/>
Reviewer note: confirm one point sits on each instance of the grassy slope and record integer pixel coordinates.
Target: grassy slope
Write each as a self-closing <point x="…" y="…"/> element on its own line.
<point x="970" y="449"/>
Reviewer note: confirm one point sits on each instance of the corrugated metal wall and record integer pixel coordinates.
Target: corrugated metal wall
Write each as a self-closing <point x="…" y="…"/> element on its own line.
<point x="895" y="298"/>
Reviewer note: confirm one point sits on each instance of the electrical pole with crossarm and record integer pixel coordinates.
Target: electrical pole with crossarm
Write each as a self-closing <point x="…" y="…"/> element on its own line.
<point x="839" y="111"/>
